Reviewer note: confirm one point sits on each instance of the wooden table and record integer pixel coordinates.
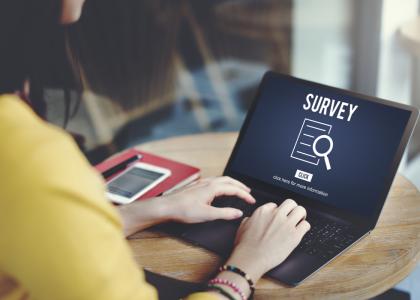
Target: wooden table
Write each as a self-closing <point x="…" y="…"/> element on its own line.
<point x="371" y="267"/>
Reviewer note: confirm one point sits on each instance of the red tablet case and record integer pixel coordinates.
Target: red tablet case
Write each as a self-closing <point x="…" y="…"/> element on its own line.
<point x="181" y="174"/>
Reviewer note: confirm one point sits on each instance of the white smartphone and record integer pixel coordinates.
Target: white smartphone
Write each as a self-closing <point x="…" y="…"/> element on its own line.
<point x="135" y="182"/>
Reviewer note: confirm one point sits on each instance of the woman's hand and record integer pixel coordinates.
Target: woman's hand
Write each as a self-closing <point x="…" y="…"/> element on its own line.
<point x="266" y="239"/>
<point x="192" y="204"/>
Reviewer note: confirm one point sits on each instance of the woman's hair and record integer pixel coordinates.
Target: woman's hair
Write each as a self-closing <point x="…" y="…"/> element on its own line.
<point x="29" y="33"/>
<point x="121" y="49"/>
<point x="124" y="49"/>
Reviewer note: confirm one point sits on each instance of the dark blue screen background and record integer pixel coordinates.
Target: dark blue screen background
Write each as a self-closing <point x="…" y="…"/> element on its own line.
<point x="363" y="151"/>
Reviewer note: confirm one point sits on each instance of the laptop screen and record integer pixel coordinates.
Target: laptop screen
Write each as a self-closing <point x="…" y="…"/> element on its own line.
<point x="321" y="143"/>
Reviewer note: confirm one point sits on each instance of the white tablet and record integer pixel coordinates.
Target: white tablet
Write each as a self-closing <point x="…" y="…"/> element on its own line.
<point x="135" y="182"/>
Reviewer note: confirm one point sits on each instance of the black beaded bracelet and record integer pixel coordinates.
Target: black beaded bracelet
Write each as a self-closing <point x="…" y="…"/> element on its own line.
<point x="238" y="271"/>
<point x="221" y="291"/>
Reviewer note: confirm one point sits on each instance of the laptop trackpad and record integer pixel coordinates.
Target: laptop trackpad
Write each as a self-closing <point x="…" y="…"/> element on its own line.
<point x="217" y="236"/>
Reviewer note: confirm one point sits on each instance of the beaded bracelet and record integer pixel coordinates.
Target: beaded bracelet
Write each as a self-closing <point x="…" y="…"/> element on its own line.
<point x="238" y="271"/>
<point x="221" y="291"/>
<point x="229" y="284"/>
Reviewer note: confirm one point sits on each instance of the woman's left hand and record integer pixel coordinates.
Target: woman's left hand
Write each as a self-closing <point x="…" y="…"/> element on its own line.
<point x="192" y="204"/>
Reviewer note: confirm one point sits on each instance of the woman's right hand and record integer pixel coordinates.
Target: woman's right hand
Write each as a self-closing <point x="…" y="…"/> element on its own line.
<point x="266" y="239"/>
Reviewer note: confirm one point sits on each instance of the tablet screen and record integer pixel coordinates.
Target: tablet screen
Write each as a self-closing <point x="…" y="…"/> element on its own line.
<point x="132" y="182"/>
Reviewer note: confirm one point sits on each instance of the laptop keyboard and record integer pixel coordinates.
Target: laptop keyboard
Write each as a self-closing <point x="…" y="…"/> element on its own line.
<point x="326" y="238"/>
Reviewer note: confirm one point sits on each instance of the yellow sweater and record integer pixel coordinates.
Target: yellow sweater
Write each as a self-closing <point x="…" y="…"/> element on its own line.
<point x="59" y="237"/>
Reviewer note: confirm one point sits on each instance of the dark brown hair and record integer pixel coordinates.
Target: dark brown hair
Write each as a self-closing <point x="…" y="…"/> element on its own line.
<point x="30" y="42"/>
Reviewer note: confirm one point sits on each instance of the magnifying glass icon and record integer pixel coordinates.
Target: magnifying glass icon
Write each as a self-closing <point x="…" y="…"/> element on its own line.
<point x="324" y="154"/>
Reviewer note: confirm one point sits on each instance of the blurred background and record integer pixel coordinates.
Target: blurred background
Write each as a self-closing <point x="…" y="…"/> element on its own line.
<point x="148" y="70"/>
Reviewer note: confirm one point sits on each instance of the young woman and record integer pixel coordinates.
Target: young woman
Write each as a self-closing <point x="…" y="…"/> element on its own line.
<point x="61" y="239"/>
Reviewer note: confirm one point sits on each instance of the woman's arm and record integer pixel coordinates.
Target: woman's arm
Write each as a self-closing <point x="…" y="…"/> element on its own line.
<point x="139" y="215"/>
<point x="191" y="204"/>
<point x="60" y="238"/>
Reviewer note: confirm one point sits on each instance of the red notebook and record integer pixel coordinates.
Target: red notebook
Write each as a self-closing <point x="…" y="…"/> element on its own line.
<point x="181" y="174"/>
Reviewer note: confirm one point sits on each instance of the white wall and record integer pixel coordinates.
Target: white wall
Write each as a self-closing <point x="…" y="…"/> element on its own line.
<point x="394" y="76"/>
<point x="322" y="41"/>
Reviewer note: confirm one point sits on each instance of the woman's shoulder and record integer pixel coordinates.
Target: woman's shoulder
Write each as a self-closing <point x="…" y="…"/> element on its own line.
<point x="38" y="152"/>
<point x="43" y="161"/>
<point x="12" y="108"/>
<point x="23" y="133"/>
<point x="18" y="122"/>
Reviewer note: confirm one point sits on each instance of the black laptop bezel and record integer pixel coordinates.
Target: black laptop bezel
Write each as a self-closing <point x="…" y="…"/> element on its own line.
<point x="367" y="222"/>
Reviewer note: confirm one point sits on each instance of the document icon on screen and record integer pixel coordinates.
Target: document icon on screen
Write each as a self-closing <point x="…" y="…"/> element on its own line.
<point x="305" y="146"/>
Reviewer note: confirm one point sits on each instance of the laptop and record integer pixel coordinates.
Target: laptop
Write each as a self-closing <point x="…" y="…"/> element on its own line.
<point x="333" y="151"/>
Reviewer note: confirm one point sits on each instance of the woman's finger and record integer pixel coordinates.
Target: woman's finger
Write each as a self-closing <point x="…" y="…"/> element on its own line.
<point x="267" y="207"/>
<point x="297" y="214"/>
<point x="287" y="206"/>
<point x="224" y="213"/>
<point x="225" y="189"/>
<point x="303" y="227"/>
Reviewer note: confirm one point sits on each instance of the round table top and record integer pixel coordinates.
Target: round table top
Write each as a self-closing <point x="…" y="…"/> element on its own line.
<point x="369" y="268"/>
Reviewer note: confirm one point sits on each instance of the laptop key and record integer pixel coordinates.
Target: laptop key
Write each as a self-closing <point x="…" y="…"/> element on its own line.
<point x="325" y="238"/>
<point x="224" y="201"/>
